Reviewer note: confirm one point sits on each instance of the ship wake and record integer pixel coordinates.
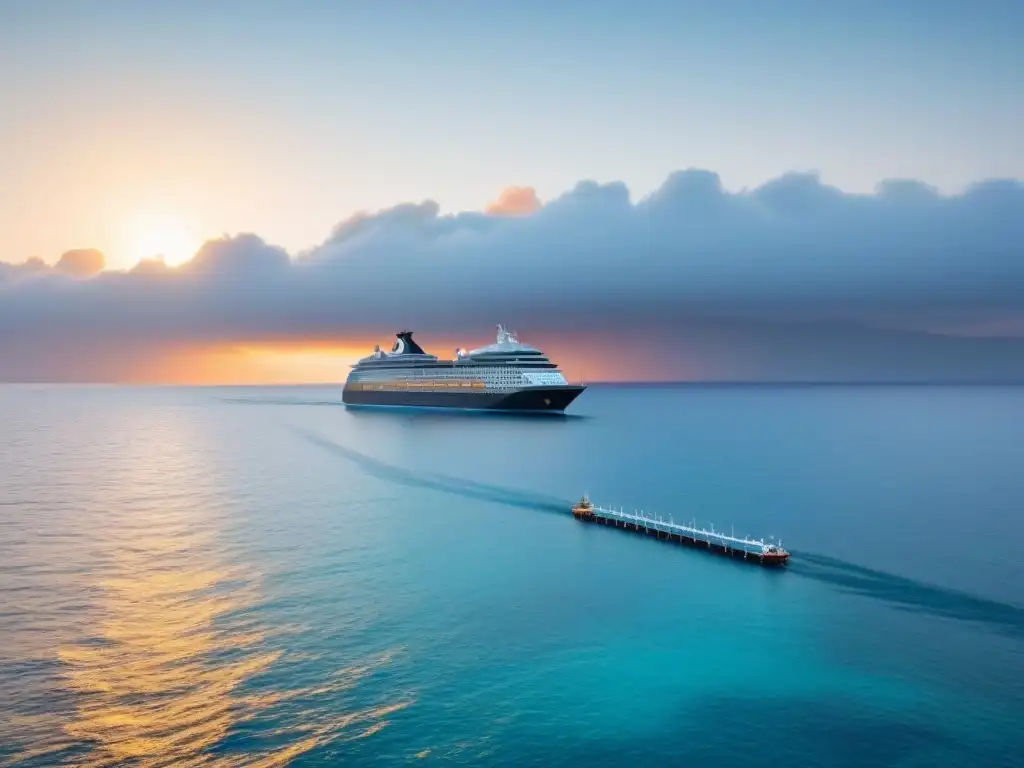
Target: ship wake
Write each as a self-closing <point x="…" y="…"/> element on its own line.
<point x="436" y="481"/>
<point x="910" y="595"/>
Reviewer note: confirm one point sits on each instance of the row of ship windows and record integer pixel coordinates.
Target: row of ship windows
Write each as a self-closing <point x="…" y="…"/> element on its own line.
<point x="385" y="386"/>
<point x="498" y="375"/>
<point x="476" y="370"/>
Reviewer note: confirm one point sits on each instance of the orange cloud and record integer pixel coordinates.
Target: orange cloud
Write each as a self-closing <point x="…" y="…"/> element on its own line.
<point x="515" y="201"/>
<point x="81" y="262"/>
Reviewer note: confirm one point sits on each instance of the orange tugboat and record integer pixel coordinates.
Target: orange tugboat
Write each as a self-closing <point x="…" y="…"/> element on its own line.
<point x="584" y="510"/>
<point x="754" y="550"/>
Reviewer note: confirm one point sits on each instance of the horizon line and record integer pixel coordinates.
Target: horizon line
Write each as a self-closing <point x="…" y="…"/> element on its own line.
<point x="588" y="384"/>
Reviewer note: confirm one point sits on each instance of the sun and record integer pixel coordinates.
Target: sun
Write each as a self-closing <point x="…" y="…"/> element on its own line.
<point x="163" y="237"/>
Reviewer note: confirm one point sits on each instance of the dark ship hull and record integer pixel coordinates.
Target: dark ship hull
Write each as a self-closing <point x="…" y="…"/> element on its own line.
<point x="552" y="399"/>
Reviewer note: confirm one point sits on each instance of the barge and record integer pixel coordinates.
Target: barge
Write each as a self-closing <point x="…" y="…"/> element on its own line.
<point x="752" y="550"/>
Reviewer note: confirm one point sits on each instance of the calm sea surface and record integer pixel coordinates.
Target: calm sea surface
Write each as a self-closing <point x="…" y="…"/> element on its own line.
<point x="257" y="576"/>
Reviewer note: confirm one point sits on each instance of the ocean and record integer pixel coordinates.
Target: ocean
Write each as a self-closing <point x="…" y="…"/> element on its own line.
<point x="258" y="576"/>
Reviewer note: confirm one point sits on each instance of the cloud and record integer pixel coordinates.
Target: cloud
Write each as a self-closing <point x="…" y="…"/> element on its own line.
<point x="31" y="266"/>
<point x="83" y="262"/>
<point x="236" y="256"/>
<point x="514" y="201"/>
<point x="794" y="275"/>
<point x="152" y="266"/>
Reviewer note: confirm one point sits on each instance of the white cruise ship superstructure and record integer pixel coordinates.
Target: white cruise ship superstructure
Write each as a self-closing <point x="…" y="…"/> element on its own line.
<point x="506" y="375"/>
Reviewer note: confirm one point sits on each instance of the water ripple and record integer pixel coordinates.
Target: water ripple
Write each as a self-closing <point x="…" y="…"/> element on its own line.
<point x="174" y="662"/>
<point x="136" y="631"/>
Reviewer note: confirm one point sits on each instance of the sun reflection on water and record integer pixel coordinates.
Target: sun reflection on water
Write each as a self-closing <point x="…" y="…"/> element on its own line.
<point x="139" y="628"/>
<point x="172" y="668"/>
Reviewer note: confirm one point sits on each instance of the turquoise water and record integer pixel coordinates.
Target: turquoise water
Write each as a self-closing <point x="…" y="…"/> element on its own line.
<point x="257" y="576"/>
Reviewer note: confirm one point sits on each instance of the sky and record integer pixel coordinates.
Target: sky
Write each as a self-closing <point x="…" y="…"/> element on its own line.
<point x="730" y="190"/>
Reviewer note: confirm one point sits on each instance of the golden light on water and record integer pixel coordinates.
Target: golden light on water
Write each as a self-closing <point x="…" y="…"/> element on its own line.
<point x="167" y="673"/>
<point x="173" y="662"/>
<point x="144" y="689"/>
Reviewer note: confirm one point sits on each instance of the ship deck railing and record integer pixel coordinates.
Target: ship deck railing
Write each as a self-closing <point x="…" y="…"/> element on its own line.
<point x="703" y="535"/>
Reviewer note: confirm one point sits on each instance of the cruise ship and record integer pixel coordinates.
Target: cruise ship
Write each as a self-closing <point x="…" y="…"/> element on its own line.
<point x="505" y="376"/>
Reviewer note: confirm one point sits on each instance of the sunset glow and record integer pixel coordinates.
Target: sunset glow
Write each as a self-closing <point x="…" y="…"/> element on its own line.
<point x="209" y="213"/>
<point x="163" y="237"/>
<point x="327" y="362"/>
<point x="248" y="364"/>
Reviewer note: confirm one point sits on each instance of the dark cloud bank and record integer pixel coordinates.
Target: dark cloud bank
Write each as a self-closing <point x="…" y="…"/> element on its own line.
<point x="794" y="280"/>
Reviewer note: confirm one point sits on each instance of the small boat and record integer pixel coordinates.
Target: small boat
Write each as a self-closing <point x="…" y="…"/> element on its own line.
<point x="584" y="508"/>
